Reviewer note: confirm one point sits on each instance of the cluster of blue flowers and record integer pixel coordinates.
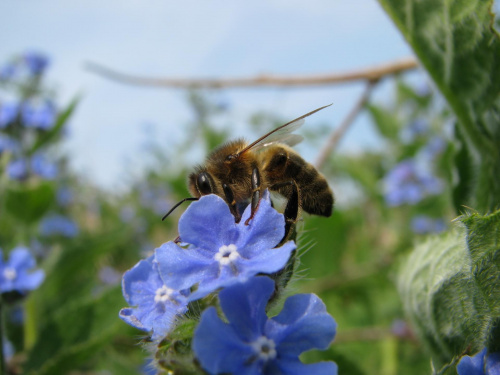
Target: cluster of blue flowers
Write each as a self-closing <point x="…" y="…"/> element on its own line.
<point x="422" y="224"/>
<point x="409" y="183"/>
<point x="22" y="122"/>
<point x="218" y="255"/>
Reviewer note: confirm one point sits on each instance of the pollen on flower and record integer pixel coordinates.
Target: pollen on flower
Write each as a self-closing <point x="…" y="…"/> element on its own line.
<point x="227" y="254"/>
<point x="9" y="273"/>
<point x="265" y="348"/>
<point x="163" y="294"/>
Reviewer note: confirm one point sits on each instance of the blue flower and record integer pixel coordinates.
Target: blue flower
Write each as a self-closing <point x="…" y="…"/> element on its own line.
<point x="17" y="169"/>
<point x="8" y="71"/>
<point x="222" y="252"/>
<point x="39" y="116"/>
<point x="422" y="224"/>
<point x="156" y="304"/>
<point x="8" y="113"/>
<point x="64" y="196"/>
<point x="58" y="225"/>
<point x="15" y="275"/>
<point x="43" y="167"/>
<point x="8" y="144"/>
<point x="36" y="62"/>
<point x="251" y="343"/>
<point x="407" y="183"/>
<point x="483" y="363"/>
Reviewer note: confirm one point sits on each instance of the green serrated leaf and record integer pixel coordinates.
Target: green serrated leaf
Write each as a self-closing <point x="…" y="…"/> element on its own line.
<point x="29" y="203"/>
<point x="456" y="44"/>
<point x="58" y="126"/>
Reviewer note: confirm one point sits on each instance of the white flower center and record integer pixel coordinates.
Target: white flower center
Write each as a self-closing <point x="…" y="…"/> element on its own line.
<point x="264" y="348"/>
<point x="227" y="254"/>
<point x="163" y="294"/>
<point x="9" y="273"/>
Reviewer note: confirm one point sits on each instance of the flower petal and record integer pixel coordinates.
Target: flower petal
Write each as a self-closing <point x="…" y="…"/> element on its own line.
<point x="182" y="268"/>
<point x="216" y="345"/>
<point x="295" y="367"/>
<point x="265" y="230"/>
<point x="244" y="306"/>
<point x="208" y="223"/>
<point x="267" y="261"/>
<point x="303" y="324"/>
<point x="472" y="365"/>
<point x="21" y="258"/>
<point x="30" y="281"/>
<point x="493" y="364"/>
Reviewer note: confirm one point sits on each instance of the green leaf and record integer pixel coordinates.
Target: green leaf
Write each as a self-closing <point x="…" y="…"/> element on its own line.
<point x="29" y="203"/>
<point x="450" y="290"/>
<point x="457" y="45"/>
<point x="58" y="126"/>
<point x="74" y="334"/>
<point x="386" y="122"/>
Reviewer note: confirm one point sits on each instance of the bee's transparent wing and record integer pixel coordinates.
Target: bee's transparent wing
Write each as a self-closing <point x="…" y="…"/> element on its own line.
<point x="281" y="134"/>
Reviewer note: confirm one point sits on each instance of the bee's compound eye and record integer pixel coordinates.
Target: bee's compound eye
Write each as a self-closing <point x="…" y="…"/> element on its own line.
<point x="203" y="182"/>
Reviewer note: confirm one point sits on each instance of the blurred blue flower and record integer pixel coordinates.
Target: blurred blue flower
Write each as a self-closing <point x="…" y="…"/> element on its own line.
<point x="8" y="144"/>
<point x="53" y="225"/>
<point x="8" y="71"/>
<point x="406" y="183"/>
<point x="41" y="116"/>
<point x="8" y="113"/>
<point x="422" y="224"/>
<point x="64" y="196"/>
<point x="222" y="252"/>
<point x="433" y="148"/>
<point x="418" y="127"/>
<point x="36" y="62"/>
<point x="483" y="363"/>
<point x="8" y="349"/>
<point x="42" y="167"/>
<point x="15" y="275"/>
<point x="17" y="169"/>
<point x="154" y="198"/>
<point x="250" y="343"/>
<point x="156" y="305"/>
<point x="110" y="276"/>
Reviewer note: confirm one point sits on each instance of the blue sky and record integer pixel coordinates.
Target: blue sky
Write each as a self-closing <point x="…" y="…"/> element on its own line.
<point x="194" y="39"/>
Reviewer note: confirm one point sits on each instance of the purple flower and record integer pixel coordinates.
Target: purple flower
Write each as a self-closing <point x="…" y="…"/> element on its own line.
<point x="483" y="363"/>
<point x="408" y="184"/>
<point x="58" y="225"/>
<point x="39" y="116"/>
<point x="8" y="113"/>
<point x="15" y="275"/>
<point x="251" y="343"/>
<point x="156" y="305"/>
<point x="222" y="252"/>
<point x="36" y="62"/>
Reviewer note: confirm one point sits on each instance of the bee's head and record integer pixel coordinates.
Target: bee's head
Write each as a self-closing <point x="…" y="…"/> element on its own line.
<point x="201" y="183"/>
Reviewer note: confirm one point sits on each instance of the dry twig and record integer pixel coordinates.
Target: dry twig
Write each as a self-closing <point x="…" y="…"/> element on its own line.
<point x="373" y="73"/>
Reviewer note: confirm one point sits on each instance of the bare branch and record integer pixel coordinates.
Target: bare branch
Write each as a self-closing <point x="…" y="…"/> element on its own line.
<point x="373" y="73"/>
<point x="337" y="134"/>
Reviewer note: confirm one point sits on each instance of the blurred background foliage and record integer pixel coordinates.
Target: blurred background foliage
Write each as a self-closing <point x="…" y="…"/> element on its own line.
<point x="85" y="238"/>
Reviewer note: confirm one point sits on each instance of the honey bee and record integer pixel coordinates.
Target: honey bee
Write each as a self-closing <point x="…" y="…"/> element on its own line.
<point x="240" y="172"/>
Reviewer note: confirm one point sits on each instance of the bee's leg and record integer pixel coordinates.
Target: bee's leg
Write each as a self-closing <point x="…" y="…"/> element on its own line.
<point x="256" y="194"/>
<point x="292" y="209"/>
<point x="231" y="202"/>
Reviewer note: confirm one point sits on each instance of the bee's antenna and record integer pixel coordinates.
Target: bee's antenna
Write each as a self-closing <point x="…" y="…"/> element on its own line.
<point x="177" y="205"/>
